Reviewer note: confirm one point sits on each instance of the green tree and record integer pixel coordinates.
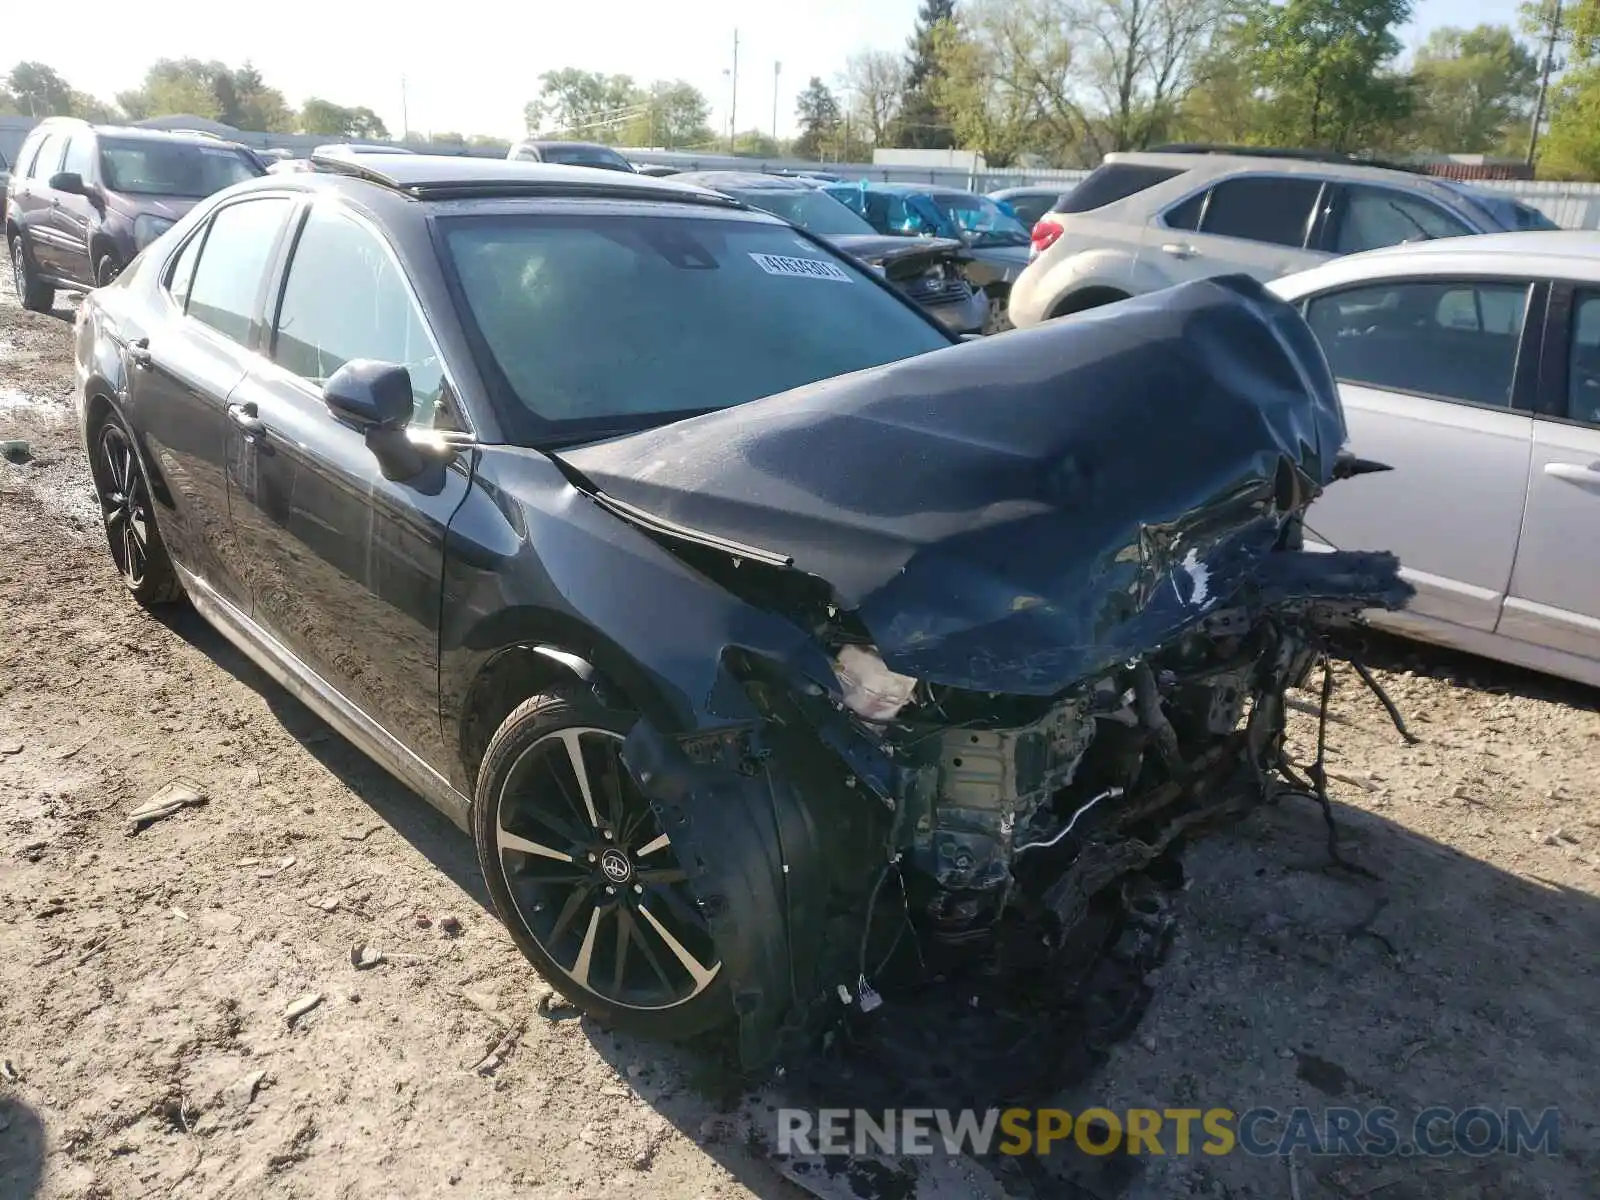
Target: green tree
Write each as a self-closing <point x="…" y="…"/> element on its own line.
<point x="752" y="143"/>
<point x="1223" y="106"/>
<point x="327" y="119"/>
<point x="92" y="108"/>
<point x="1571" y="150"/>
<point x="921" y="123"/>
<point x="1324" y="67"/>
<point x="818" y="113"/>
<point x="1001" y="73"/>
<point x="586" y="105"/>
<point x="671" y="114"/>
<point x="248" y="103"/>
<point x="211" y="89"/>
<point x="1471" y="86"/>
<point x="38" y="90"/>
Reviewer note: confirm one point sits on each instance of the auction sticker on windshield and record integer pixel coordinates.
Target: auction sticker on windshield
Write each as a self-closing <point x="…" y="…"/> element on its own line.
<point x="803" y="268"/>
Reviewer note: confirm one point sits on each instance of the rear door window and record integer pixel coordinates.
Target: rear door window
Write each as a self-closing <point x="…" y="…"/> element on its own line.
<point x="1369" y="218"/>
<point x="1263" y="208"/>
<point x="1111" y="182"/>
<point x="1450" y="340"/>
<point x="226" y="289"/>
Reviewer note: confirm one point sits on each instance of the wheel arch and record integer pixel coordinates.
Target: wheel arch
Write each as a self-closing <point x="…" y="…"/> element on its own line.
<point x="529" y="651"/>
<point x="100" y="241"/>
<point x="1084" y="298"/>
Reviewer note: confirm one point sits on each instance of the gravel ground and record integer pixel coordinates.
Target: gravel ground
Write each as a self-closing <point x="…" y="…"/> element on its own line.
<point x="145" y="980"/>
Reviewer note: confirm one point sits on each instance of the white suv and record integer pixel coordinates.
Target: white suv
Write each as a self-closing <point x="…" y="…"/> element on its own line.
<point x="1143" y="221"/>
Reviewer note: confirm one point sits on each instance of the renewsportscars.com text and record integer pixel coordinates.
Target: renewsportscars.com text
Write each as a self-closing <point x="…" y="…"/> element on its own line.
<point x="1261" y="1132"/>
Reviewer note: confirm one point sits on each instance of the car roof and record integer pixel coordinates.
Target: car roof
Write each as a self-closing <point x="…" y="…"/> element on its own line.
<point x="1560" y="254"/>
<point x="745" y="180"/>
<point x="1223" y="163"/>
<point x="439" y="176"/>
<point x="190" y="136"/>
<point x="543" y="143"/>
<point x="1034" y="189"/>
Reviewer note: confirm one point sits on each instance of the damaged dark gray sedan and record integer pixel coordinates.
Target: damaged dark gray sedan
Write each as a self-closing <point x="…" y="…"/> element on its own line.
<point x="759" y="636"/>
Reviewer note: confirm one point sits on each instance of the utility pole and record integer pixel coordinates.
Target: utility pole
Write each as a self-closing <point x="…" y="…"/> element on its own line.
<point x="405" y="114"/>
<point x="777" y="68"/>
<point x="1552" y="34"/>
<point x="733" y="103"/>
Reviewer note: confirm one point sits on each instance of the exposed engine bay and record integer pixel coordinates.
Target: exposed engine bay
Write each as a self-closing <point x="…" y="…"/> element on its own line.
<point x="1046" y="618"/>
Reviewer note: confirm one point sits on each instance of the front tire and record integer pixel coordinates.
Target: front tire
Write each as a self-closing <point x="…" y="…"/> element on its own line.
<point x="584" y="878"/>
<point x="128" y="514"/>
<point x="31" y="293"/>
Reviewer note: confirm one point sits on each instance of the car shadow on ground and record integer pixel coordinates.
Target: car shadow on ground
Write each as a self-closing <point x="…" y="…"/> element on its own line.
<point x="429" y="831"/>
<point x="22" y="1148"/>
<point x="1438" y="979"/>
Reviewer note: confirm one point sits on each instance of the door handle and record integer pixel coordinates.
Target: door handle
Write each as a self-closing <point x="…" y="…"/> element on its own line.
<point x="139" y="353"/>
<point x="1573" y="473"/>
<point x="244" y="416"/>
<point x="1179" y="249"/>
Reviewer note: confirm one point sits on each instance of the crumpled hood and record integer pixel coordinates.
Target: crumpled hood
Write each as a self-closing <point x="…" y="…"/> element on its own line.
<point x="900" y="256"/>
<point x="1014" y="513"/>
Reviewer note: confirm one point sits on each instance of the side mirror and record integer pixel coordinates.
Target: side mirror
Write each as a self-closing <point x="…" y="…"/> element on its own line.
<point x="67" y="181"/>
<point x="375" y="397"/>
<point x="370" y="394"/>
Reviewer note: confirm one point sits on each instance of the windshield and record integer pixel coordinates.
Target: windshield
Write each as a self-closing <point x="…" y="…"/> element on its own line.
<point x="585" y="156"/>
<point x="980" y="220"/>
<point x="603" y="323"/>
<point x="809" y="209"/>
<point x="149" y="167"/>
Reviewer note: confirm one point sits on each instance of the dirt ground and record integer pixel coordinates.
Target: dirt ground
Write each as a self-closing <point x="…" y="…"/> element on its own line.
<point x="145" y="979"/>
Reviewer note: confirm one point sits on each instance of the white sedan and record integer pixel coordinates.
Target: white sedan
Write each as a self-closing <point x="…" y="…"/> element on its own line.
<point x="1471" y="366"/>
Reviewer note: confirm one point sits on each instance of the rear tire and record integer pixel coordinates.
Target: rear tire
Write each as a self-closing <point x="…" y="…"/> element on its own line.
<point x="583" y="877"/>
<point x="129" y="517"/>
<point x="31" y="293"/>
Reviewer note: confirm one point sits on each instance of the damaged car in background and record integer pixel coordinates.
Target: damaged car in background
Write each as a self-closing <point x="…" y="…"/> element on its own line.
<point x="776" y="651"/>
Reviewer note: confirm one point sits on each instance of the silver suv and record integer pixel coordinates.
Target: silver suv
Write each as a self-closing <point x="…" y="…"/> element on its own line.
<point x="1143" y="221"/>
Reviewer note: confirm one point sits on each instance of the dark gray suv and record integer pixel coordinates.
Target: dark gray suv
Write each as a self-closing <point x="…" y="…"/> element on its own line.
<point x="84" y="199"/>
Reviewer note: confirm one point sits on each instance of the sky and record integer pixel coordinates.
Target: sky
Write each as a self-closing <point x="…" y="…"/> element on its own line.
<point x="471" y="65"/>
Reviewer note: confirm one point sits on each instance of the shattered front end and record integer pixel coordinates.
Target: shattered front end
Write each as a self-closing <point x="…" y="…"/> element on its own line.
<point x="1058" y="586"/>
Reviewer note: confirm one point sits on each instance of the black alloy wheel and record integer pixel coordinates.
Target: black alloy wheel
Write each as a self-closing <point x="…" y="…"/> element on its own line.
<point x="131" y="533"/>
<point x="584" y="877"/>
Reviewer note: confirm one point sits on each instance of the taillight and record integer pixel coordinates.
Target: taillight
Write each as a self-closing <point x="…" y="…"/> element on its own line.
<point x="1045" y="233"/>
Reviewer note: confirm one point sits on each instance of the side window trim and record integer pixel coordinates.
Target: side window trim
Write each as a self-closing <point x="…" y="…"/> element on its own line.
<point x="1526" y="372"/>
<point x="280" y="283"/>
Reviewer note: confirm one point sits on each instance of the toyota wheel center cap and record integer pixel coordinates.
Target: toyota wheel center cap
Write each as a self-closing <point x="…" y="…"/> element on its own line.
<point x="616" y="866"/>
